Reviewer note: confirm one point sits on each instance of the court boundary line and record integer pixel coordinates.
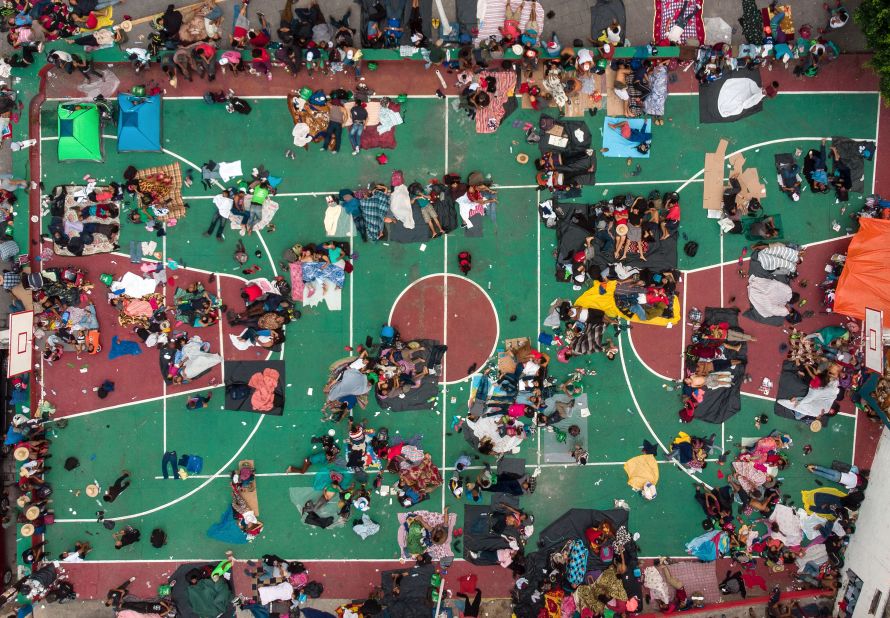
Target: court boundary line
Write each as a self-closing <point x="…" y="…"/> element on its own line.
<point x="274" y="270"/>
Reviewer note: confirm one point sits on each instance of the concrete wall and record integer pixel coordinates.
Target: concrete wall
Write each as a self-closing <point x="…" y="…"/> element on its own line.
<point x="868" y="554"/>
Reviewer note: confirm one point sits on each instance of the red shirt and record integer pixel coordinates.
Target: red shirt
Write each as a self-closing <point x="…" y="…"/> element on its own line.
<point x="260" y="40"/>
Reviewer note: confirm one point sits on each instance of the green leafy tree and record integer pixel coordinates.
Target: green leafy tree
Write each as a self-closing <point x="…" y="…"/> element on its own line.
<point x="873" y="16"/>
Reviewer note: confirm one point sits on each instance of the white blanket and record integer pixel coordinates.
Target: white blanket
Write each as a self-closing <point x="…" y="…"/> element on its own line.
<point x="737" y="95"/>
<point x="790" y="527"/>
<point x="229" y="170"/>
<point x="134" y="286"/>
<point x="488" y="427"/>
<point x="195" y="361"/>
<point x="769" y="296"/>
<point x="400" y="205"/>
<point x="816" y="402"/>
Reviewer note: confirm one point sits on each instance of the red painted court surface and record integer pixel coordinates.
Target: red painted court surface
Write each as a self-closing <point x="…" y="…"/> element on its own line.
<point x="137" y="378"/>
<point x="442" y="307"/>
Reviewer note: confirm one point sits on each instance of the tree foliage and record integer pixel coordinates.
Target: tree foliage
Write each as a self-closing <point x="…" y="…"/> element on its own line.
<point x="873" y="16"/>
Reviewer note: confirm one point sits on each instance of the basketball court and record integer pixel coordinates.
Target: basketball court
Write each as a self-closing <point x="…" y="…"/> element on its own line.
<point x="419" y="288"/>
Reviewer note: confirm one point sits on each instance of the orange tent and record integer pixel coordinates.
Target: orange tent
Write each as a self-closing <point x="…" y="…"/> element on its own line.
<point x="865" y="280"/>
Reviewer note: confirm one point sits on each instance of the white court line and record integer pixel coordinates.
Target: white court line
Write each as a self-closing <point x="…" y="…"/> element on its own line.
<point x="735" y="261"/>
<point x="612" y="464"/>
<point x="539" y="322"/>
<point x="636" y="403"/>
<point x="498" y="187"/>
<point x="445" y="319"/>
<point x="855" y="427"/>
<point x="633" y="349"/>
<point x="722" y="261"/>
<point x="243" y="558"/>
<point x="222" y="366"/>
<point x="875" y="158"/>
<point x="184" y="496"/>
<point x="682" y="328"/>
<point x="164" y="382"/>
<point x="781" y="140"/>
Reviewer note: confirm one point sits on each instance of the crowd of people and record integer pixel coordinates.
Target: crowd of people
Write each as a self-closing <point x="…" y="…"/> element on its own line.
<point x="620" y="251"/>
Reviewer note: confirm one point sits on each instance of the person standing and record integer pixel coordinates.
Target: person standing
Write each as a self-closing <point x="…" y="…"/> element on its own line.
<point x="359" y="116"/>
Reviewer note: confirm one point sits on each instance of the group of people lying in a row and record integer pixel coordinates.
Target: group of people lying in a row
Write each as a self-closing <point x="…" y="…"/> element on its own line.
<point x="372" y="209"/>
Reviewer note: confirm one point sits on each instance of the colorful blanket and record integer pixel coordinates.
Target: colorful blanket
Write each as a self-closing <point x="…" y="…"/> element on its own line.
<point x="668" y="11"/>
<point x="436" y="552"/>
<point x="493" y="19"/>
<point x="165" y="195"/>
<point x="75" y="202"/>
<point x="489" y="118"/>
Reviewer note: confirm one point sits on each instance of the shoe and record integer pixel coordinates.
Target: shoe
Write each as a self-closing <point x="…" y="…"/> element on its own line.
<point x="221" y="237"/>
<point x="355" y="152"/>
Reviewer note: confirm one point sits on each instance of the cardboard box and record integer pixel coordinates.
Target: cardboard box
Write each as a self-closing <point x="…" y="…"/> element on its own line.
<point x="713" y="184"/>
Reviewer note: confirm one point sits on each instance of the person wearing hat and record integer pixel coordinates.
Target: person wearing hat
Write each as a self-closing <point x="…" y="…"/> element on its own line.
<point x="34" y="553"/>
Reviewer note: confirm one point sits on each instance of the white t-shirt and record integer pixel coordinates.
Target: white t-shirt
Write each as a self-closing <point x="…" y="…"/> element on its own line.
<point x="279" y="592"/>
<point x="848" y="480"/>
<point x="72" y="557"/>
<point x="223" y="205"/>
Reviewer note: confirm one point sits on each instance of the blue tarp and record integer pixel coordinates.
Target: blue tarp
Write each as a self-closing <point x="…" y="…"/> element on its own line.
<point x="617" y="145"/>
<point x="139" y="123"/>
<point x="227" y="530"/>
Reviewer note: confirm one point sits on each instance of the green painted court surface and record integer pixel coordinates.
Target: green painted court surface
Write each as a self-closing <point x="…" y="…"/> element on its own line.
<point x="512" y="262"/>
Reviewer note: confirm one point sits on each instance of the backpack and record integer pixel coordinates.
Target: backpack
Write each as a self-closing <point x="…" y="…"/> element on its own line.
<point x="71" y="463"/>
<point x="313" y="589"/>
<point x="690" y="248"/>
<point x="238" y="391"/>
<point x="465" y="262"/>
<point x="158" y="538"/>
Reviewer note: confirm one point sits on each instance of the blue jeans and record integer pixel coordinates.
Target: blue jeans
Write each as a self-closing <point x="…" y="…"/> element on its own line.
<point x="334" y="130"/>
<point x="169" y="459"/>
<point x="217" y="221"/>
<point x="355" y="135"/>
<point x="827" y="473"/>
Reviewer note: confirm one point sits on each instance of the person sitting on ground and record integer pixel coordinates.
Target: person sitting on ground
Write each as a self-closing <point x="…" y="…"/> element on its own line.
<point x="815" y="168"/>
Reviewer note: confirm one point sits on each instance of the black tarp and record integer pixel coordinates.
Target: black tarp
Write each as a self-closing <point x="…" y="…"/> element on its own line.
<point x="709" y="93"/>
<point x="396" y="232"/>
<point x="603" y="13"/>
<point x="467" y="21"/>
<point x="576" y="222"/>
<point x="240" y="372"/>
<point x="720" y="404"/>
<point x="413" y="600"/>
<point x="577" y="143"/>
<point x="569" y="526"/>
<point x="756" y="270"/>
<point x="180" y="591"/>
<point x="793" y="385"/>
<point x="418" y="398"/>
<point x="851" y="157"/>
<point x="478" y="535"/>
